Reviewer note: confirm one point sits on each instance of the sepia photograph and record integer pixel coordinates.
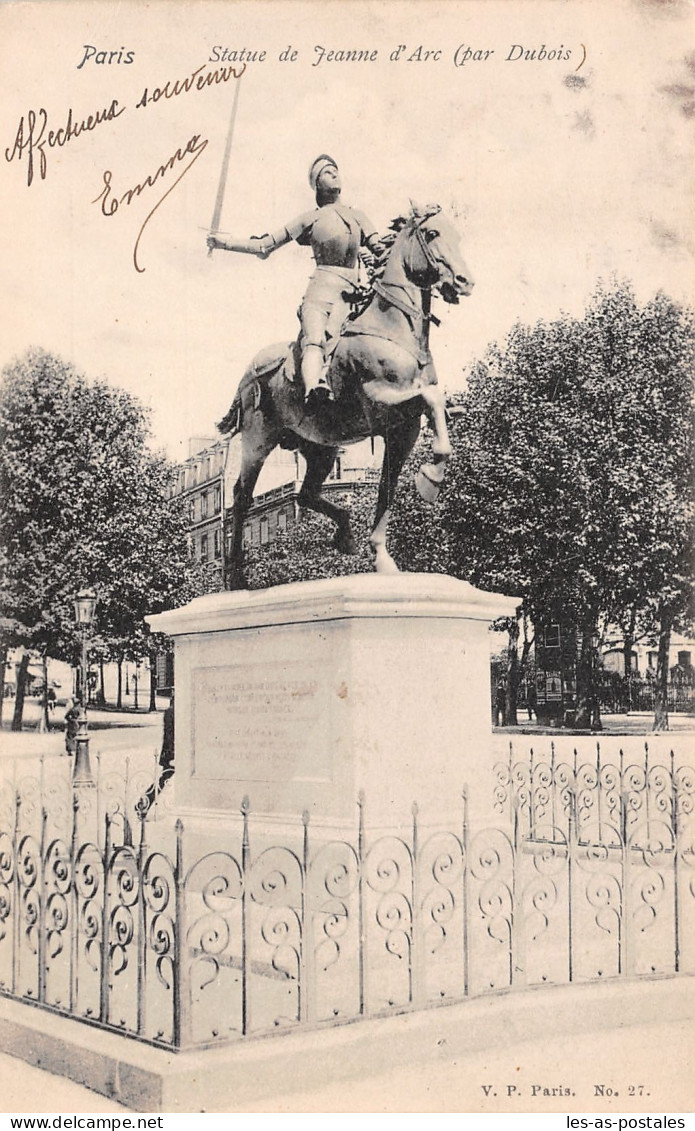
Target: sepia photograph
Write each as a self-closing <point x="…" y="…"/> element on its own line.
<point x="347" y="525"/>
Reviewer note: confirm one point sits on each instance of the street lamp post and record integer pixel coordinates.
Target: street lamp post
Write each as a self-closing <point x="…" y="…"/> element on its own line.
<point x="85" y="604"/>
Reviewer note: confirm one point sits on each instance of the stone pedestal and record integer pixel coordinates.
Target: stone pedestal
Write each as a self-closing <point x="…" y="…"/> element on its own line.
<point x="303" y="695"/>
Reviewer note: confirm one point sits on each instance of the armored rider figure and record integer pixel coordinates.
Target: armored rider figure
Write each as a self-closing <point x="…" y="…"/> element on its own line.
<point x="335" y="234"/>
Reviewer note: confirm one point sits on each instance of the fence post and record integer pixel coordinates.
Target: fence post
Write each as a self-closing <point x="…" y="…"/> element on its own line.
<point x="531" y="804"/>
<point x="517" y="965"/>
<point x="553" y="789"/>
<point x="16" y="924"/>
<point x="75" y="907"/>
<point x="41" y="892"/>
<point x="142" y="928"/>
<point x="104" y="986"/>
<point x="624" y="941"/>
<point x="676" y="869"/>
<point x="182" y="997"/>
<point x="99" y="805"/>
<point x="362" y="917"/>
<point x="464" y="893"/>
<point x="598" y="789"/>
<point x="571" y="854"/>
<point x="245" y="856"/>
<point x="307" y="971"/>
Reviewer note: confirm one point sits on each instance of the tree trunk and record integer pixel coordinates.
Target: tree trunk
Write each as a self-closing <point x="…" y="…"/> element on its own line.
<point x="588" y="714"/>
<point x="119" y="693"/>
<point x="153" y="684"/>
<point x="512" y="684"/>
<point x="101" y="693"/>
<point x="21" y="679"/>
<point x="46" y="715"/>
<point x="3" y="661"/>
<point x="661" y="685"/>
<point x="628" y="644"/>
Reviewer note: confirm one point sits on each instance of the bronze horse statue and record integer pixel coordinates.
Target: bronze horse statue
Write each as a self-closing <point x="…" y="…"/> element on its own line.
<point x="383" y="380"/>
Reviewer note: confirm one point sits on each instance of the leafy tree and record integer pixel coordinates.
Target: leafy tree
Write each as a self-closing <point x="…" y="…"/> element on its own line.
<point x="570" y="483"/>
<point x="83" y="501"/>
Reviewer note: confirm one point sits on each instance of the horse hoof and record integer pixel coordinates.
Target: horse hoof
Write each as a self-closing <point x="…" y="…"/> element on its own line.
<point x="383" y="562"/>
<point x="345" y="546"/>
<point x="427" y="484"/>
<point x="386" y="564"/>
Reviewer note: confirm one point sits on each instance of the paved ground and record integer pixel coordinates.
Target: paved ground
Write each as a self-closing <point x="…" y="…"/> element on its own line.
<point x="129" y="730"/>
<point x="617" y="1058"/>
<point x="656" y="1061"/>
<point x="27" y="1089"/>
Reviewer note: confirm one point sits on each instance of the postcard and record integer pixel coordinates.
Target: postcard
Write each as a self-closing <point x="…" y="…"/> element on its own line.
<point x="556" y="137"/>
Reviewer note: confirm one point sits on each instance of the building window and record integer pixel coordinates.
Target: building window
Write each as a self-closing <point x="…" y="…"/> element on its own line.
<point x="204" y="505"/>
<point x="218" y="499"/>
<point x="264" y="532"/>
<point x="191" y="509"/>
<point x="337" y="469"/>
<point x="218" y="545"/>
<point x="282" y="521"/>
<point x="551" y="635"/>
<point x="203" y="547"/>
<point x="684" y="660"/>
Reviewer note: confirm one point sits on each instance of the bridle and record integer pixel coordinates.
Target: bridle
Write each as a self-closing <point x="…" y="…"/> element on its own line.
<point x="438" y="266"/>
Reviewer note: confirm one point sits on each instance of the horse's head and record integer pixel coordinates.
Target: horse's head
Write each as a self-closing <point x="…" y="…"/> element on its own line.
<point x="432" y="258"/>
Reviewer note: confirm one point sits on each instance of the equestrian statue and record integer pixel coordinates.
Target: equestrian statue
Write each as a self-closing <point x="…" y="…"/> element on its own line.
<point x="362" y="364"/>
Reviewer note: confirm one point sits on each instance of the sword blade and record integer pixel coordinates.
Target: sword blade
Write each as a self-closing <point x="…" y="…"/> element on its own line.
<point x="219" y="199"/>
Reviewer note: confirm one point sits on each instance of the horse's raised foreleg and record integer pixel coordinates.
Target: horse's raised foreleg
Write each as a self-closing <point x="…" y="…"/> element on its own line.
<point x="398" y="444"/>
<point x="319" y="461"/>
<point x="256" y="445"/>
<point x="431" y="475"/>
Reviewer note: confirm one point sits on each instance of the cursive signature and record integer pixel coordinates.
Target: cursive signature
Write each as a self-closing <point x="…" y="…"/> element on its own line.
<point x="111" y="202"/>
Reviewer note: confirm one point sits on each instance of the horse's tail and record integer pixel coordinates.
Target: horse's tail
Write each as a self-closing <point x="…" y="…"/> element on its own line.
<point x="230" y="423"/>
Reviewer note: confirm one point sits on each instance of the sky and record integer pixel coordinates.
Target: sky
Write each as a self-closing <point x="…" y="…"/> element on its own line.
<point x="557" y="171"/>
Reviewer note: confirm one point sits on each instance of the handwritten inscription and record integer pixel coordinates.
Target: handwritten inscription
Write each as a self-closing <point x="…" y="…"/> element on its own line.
<point x="33" y="135"/>
<point x="264" y="729"/>
<point x="110" y="201"/>
<point x="34" y="138"/>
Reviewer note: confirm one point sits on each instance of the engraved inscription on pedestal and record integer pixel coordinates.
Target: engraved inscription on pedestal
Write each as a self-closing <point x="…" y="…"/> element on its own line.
<point x="260" y="722"/>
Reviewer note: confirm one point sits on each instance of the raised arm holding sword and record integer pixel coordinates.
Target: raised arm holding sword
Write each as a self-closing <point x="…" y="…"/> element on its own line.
<point x="335" y="233"/>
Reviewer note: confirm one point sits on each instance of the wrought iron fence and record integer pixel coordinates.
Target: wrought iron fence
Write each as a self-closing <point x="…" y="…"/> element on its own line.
<point x="620" y="693"/>
<point x="189" y="948"/>
<point x="541" y="793"/>
<point x="125" y="784"/>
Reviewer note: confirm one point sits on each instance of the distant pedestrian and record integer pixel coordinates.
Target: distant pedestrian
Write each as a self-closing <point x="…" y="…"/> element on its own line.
<point x="532" y="702"/>
<point x="72" y="724"/>
<point x="166" y="758"/>
<point x="51" y="699"/>
<point x="500" y="703"/>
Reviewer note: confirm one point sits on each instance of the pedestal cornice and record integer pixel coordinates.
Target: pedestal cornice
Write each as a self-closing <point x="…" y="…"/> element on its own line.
<point x="360" y="595"/>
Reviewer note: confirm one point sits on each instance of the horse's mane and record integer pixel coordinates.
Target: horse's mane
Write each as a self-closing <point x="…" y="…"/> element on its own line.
<point x="418" y="213"/>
